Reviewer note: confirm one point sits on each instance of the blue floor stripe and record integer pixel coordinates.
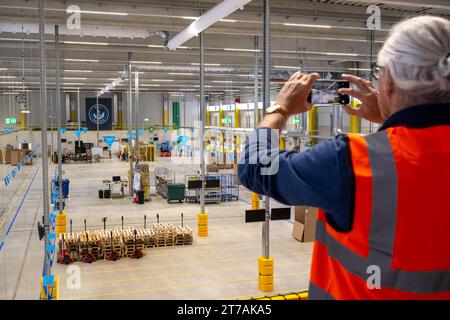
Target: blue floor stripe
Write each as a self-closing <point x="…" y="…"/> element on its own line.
<point x="18" y="208"/>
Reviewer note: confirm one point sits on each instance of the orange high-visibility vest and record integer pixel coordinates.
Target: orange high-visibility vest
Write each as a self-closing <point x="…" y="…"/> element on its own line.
<point x="399" y="244"/>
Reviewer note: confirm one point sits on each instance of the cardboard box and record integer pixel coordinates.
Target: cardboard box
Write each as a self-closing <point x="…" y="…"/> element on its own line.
<point x="305" y="224"/>
<point x="14" y="157"/>
<point x="8" y="156"/>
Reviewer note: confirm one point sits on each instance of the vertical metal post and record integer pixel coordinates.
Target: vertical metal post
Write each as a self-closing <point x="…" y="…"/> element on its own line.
<point x="184" y="110"/>
<point x="136" y="112"/>
<point x="52" y="114"/>
<point x="256" y="88"/>
<point x="59" y="119"/>
<point x="79" y="119"/>
<point x="202" y="120"/>
<point x="130" y="124"/>
<point x="45" y="187"/>
<point x="97" y="121"/>
<point x="266" y="94"/>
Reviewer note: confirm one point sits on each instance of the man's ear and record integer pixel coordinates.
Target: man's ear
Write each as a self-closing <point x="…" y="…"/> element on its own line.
<point x="388" y="84"/>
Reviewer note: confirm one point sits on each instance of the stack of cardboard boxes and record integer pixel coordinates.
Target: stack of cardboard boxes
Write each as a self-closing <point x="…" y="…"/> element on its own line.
<point x="305" y="223"/>
<point x="13" y="156"/>
<point x="144" y="172"/>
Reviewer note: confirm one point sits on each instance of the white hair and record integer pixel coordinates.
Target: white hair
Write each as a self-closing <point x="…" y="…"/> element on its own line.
<point x="417" y="55"/>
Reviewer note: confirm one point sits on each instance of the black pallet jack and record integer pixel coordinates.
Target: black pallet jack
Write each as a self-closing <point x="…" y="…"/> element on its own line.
<point x="65" y="257"/>
<point x="137" y="253"/>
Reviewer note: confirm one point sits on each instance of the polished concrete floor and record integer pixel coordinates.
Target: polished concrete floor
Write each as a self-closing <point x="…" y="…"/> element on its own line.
<point x="220" y="266"/>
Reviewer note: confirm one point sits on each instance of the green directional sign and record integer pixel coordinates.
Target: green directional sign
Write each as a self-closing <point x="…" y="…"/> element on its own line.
<point x="151" y="129"/>
<point x="10" y="120"/>
<point x="295" y="120"/>
<point x="227" y="120"/>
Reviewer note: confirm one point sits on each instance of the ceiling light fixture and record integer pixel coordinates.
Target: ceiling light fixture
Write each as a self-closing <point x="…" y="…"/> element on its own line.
<point x="146" y="62"/>
<point x="307" y="25"/>
<point x="87" y="43"/>
<point x="286" y="67"/>
<point x="81" y="60"/>
<point x="80" y="71"/>
<point x="180" y="74"/>
<point x="241" y="50"/>
<point x="105" y="13"/>
<point x="203" y="22"/>
<point x="207" y="64"/>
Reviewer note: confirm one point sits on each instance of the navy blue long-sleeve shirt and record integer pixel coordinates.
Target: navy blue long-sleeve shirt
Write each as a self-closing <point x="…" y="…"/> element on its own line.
<point x="323" y="176"/>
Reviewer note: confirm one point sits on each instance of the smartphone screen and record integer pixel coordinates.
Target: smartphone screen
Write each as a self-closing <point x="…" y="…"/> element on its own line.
<point x="326" y="92"/>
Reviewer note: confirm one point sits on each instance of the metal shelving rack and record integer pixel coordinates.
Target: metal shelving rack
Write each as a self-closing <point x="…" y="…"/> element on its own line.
<point x="229" y="184"/>
<point x="212" y="194"/>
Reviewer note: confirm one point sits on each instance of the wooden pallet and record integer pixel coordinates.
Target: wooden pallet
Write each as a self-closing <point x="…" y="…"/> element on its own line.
<point x="117" y="243"/>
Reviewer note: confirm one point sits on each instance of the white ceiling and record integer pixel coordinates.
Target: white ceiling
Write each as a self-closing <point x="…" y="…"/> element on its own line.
<point x="316" y="35"/>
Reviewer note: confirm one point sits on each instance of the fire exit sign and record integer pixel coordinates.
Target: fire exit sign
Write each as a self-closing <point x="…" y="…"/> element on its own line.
<point x="10" y="120"/>
<point x="227" y="120"/>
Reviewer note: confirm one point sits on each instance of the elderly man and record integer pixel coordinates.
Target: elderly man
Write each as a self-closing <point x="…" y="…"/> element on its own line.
<point x="383" y="228"/>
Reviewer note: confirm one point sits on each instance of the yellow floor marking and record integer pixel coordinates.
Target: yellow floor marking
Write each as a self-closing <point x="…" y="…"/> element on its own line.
<point x="205" y="261"/>
<point x="267" y="294"/>
<point x="127" y="292"/>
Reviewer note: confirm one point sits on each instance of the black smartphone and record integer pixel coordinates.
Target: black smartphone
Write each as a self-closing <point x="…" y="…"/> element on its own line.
<point x="326" y="92"/>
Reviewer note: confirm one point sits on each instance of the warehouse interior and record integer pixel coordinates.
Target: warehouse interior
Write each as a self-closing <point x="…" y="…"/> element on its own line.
<point x="110" y="155"/>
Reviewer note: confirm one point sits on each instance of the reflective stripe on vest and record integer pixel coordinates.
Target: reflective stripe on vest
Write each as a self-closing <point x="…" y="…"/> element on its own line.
<point x="397" y="283"/>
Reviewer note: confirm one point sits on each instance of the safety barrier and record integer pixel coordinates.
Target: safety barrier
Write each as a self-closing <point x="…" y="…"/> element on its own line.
<point x="287" y="296"/>
<point x="9" y="177"/>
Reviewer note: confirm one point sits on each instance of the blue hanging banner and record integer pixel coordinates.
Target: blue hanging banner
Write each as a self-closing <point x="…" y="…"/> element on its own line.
<point x="141" y="132"/>
<point x="109" y="140"/>
<point x="63" y="130"/>
<point x="77" y="133"/>
<point x="166" y="129"/>
<point x="85" y="130"/>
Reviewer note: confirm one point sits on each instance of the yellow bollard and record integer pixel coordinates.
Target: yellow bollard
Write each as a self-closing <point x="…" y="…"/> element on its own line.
<point x="255" y="201"/>
<point x="61" y="223"/>
<point x="313" y="126"/>
<point x="54" y="288"/>
<point x="265" y="270"/>
<point x="202" y="224"/>
<point x="282" y="143"/>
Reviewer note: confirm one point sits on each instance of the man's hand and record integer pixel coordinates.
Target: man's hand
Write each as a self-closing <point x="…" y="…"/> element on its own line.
<point x="367" y="94"/>
<point x="294" y="94"/>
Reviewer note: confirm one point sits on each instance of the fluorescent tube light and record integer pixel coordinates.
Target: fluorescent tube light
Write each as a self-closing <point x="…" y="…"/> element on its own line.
<point x="207" y="64"/>
<point x="162" y="80"/>
<point x="70" y="78"/>
<point x="307" y="25"/>
<point x="147" y="62"/>
<point x="25" y="111"/>
<point x="200" y="24"/>
<point x="241" y="50"/>
<point x="81" y="60"/>
<point x="80" y="71"/>
<point x="180" y="74"/>
<point x="86" y="43"/>
<point x="105" y="13"/>
<point x="286" y="67"/>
